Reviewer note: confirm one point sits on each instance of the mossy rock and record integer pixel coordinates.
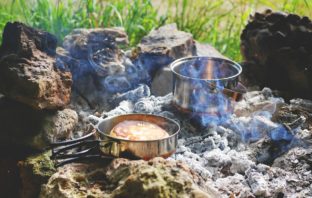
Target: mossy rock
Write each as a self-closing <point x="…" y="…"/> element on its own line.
<point x="126" y="178"/>
<point x="35" y="171"/>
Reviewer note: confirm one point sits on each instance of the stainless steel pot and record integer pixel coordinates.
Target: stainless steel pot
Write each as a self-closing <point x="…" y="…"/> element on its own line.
<point x="107" y="146"/>
<point x="200" y="82"/>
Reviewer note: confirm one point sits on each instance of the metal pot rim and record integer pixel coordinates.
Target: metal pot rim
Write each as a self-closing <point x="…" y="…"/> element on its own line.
<point x="237" y="66"/>
<point x="138" y="141"/>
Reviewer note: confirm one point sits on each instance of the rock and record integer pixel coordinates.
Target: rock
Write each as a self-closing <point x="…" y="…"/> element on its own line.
<point x="276" y="48"/>
<point x="23" y="126"/>
<point x="163" y="45"/>
<point x="124" y="178"/>
<point x="98" y="65"/>
<point x="204" y="49"/>
<point x="94" y="53"/>
<point x="28" y="71"/>
<point x="81" y="43"/>
<point x="163" y="79"/>
<point x="22" y="40"/>
<point x="58" y="125"/>
<point x="35" y="171"/>
<point x="162" y="82"/>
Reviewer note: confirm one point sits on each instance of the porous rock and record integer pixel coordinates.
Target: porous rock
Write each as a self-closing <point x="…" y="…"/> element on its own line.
<point x="58" y="126"/>
<point x="21" y="125"/>
<point x="28" y="71"/>
<point x="277" y="53"/>
<point x="124" y="178"/>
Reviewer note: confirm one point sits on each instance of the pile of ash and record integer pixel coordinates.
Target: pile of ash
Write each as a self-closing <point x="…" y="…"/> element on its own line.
<point x="262" y="150"/>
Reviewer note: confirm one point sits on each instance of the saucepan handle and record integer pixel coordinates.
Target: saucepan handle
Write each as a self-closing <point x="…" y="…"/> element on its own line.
<point x="70" y="142"/>
<point x="235" y="93"/>
<point x="81" y="158"/>
<point x="86" y="149"/>
<point x="94" y="121"/>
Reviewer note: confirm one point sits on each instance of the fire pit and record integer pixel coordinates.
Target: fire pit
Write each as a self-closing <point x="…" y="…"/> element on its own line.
<point x="237" y="143"/>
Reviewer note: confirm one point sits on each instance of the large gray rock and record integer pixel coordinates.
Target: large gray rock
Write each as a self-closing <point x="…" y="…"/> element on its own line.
<point x="204" y="49"/>
<point x="168" y="40"/>
<point x="98" y="65"/>
<point x="83" y="42"/>
<point x="124" y="178"/>
<point x="28" y="71"/>
<point x="163" y="45"/>
<point x="162" y="82"/>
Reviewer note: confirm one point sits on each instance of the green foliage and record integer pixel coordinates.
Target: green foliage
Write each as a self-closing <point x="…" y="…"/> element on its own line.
<point x="220" y="22"/>
<point x="138" y="17"/>
<point x="216" y="22"/>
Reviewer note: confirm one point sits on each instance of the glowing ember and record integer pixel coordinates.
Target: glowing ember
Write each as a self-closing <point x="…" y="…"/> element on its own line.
<point x="138" y="130"/>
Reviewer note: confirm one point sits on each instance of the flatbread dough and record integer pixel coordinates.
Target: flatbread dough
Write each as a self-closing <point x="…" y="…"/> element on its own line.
<point x="138" y="130"/>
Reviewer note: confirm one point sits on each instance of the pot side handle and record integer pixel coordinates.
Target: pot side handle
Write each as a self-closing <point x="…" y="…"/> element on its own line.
<point x="236" y="93"/>
<point x="94" y="120"/>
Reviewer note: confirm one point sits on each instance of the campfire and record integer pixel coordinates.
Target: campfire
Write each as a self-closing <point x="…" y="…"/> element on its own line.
<point x="103" y="128"/>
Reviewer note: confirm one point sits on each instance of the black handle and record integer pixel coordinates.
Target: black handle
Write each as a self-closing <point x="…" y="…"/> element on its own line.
<point x="89" y="146"/>
<point x="69" y="142"/>
<point x="59" y="163"/>
<point x="79" y="149"/>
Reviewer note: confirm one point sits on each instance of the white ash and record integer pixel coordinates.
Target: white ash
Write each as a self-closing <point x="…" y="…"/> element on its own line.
<point x="218" y="153"/>
<point x="232" y="186"/>
<point x="124" y="107"/>
<point x="297" y="162"/>
<point x="152" y="104"/>
<point x="266" y="181"/>
<point x="132" y="95"/>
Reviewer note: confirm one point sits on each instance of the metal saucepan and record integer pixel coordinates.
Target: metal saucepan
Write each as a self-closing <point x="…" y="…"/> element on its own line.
<point x="199" y="82"/>
<point x="100" y="144"/>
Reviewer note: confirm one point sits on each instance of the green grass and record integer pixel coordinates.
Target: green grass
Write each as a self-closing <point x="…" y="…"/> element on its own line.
<point x="216" y="22"/>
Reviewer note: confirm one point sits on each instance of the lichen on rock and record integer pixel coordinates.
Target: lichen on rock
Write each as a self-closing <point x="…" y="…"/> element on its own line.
<point x="125" y="178"/>
<point x="35" y="171"/>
